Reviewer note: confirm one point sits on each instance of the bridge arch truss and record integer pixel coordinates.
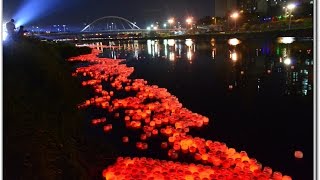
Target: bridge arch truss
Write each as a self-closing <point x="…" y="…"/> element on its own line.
<point x="110" y="23"/>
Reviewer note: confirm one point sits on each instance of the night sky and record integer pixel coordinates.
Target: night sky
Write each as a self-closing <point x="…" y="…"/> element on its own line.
<point x="77" y="12"/>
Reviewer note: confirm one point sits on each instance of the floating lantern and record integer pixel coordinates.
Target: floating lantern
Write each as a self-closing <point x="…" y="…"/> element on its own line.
<point x="164" y="145"/>
<point x="298" y="154"/>
<point x="143" y="137"/>
<point x="164" y="113"/>
<point x="155" y="132"/>
<point x="125" y="139"/>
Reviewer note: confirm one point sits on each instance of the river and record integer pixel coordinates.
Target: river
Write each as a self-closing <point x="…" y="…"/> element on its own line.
<point x="258" y="93"/>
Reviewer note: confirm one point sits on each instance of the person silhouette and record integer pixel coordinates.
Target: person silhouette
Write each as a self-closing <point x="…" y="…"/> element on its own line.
<point x="21" y="32"/>
<point x="10" y="28"/>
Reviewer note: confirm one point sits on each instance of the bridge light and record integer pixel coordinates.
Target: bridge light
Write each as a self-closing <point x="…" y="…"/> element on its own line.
<point x="148" y="28"/>
<point x="155" y="28"/>
<point x="151" y="25"/>
<point x="164" y="25"/>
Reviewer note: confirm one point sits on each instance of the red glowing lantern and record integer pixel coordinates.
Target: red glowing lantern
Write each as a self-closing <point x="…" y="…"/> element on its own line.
<point x="164" y="145"/>
<point x="298" y="154"/>
<point x="125" y="139"/>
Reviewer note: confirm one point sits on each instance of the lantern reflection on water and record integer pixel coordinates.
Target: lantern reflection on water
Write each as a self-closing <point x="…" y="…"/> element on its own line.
<point x="163" y="117"/>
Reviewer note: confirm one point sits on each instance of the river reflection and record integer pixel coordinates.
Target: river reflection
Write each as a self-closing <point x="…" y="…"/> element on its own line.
<point x="258" y="92"/>
<point x="281" y="59"/>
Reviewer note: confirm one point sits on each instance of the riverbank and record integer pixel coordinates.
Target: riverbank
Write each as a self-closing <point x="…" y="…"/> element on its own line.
<point x="86" y="37"/>
<point x="42" y="127"/>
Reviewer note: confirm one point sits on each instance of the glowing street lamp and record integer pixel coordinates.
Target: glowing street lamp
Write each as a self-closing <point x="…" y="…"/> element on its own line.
<point x="189" y="21"/>
<point x="215" y="20"/>
<point x="235" y="16"/>
<point x="290" y="7"/>
<point x="171" y="21"/>
<point x="287" y="61"/>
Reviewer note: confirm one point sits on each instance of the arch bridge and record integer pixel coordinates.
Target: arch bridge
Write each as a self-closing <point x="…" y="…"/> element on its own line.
<point x="112" y="24"/>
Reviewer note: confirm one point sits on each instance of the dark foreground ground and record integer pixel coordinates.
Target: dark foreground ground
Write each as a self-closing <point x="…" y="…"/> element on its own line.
<point x="42" y="128"/>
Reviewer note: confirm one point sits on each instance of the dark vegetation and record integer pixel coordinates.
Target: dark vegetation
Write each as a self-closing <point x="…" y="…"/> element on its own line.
<point x="42" y="128"/>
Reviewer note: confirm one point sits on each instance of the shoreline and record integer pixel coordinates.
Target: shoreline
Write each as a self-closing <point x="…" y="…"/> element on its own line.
<point x="75" y="37"/>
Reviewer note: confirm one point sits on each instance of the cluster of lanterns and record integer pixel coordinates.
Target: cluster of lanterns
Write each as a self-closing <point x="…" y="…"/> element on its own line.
<point x="156" y="112"/>
<point x="148" y="168"/>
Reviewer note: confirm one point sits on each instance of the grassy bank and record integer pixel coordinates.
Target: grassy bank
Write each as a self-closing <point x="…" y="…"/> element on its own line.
<point x="41" y="126"/>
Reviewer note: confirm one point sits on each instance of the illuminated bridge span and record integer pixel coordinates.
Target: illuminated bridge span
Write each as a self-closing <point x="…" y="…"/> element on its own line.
<point x="110" y="23"/>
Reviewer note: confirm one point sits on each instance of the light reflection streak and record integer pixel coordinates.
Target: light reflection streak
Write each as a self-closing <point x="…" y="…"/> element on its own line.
<point x="165" y="43"/>
<point x="189" y="54"/>
<point x="213" y="53"/>
<point x="171" y="56"/>
<point x="149" y="47"/>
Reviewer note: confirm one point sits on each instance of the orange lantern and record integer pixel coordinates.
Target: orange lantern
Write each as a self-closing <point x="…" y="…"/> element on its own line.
<point x="298" y="154"/>
<point x="125" y="139"/>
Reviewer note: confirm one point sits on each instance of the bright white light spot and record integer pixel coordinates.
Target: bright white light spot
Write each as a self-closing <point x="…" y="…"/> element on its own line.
<point x="189" y="42"/>
<point x="148" y="28"/>
<point x="171" y="42"/>
<point x="287" y="61"/>
<point x="234" y="15"/>
<point x="165" y="42"/>
<point x="286" y="40"/>
<point x="291" y="6"/>
<point x="4" y="35"/>
<point x="234" y="41"/>
<point x="189" y="20"/>
<point x="4" y="32"/>
<point x="155" y="28"/>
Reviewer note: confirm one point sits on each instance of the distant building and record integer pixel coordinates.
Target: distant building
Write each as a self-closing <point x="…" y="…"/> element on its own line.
<point x="262" y="6"/>
<point x="222" y="7"/>
<point x="277" y="2"/>
<point x="248" y="6"/>
<point x="253" y="6"/>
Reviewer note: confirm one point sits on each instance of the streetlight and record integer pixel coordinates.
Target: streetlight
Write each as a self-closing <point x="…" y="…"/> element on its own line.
<point x="215" y="20"/>
<point x="189" y="21"/>
<point x="171" y="21"/>
<point x="290" y="7"/>
<point x="235" y="16"/>
<point x="287" y="61"/>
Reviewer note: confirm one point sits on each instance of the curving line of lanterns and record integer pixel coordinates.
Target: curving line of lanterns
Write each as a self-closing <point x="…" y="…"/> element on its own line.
<point x="156" y="112"/>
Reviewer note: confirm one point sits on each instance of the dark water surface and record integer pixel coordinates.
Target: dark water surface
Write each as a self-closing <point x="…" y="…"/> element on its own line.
<point x="257" y="99"/>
